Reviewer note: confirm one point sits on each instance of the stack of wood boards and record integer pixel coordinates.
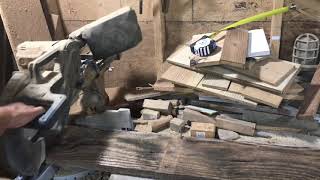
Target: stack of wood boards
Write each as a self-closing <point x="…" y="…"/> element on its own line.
<point x="231" y="72"/>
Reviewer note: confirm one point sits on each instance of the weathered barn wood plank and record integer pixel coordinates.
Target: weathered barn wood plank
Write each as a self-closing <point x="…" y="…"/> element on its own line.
<point x="24" y="21"/>
<point x="162" y="157"/>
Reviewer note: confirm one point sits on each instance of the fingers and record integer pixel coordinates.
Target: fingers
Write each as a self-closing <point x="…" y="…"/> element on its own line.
<point x="22" y="114"/>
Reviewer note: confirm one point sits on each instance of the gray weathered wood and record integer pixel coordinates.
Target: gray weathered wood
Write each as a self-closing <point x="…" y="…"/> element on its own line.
<point x="161" y="157"/>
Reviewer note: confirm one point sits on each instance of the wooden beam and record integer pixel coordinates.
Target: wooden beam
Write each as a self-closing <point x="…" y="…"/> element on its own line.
<point x="310" y="105"/>
<point x="24" y="21"/>
<point x="159" y="30"/>
<point x="276" y="25"/>
<point x="163" y="157"/>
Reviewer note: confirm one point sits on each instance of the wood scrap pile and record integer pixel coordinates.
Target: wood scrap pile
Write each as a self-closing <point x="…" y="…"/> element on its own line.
<point x="237" y="90"/>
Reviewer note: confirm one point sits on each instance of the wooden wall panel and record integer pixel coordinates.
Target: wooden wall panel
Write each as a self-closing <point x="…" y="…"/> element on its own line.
<point x="24" y="21"/>
<point x="92" y="10"/>
<point x="179" y="10"/>
<point x="87" y="10"/>
<point x="228" y="10"/>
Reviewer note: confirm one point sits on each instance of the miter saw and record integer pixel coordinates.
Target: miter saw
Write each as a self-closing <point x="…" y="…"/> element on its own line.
<point x="53" y="79"/>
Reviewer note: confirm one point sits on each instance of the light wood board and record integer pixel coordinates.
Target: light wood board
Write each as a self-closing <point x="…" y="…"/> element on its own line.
<point x="235" y="97"/>
<point x="24" y="21"/>
<point x="183" y="54"/>
<point x="257" y="95"/>
<point x="244" y="79"/>
<point x="192" y="79"/>
<point x="272" y="71"/>
<point x="215" y="82"/>
<point x="276" y="27"/>
<point x="182" y="76"/>
<point x="235" y="49"/>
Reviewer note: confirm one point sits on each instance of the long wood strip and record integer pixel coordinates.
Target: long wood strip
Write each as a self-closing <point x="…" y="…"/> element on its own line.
<point x="194" y="80"/>
<point x="232" y="75"/>
<point x="310" y="105"/>
<point x="272" y="71"/>
<point x="182" y="76"/>
<point x="162" y="157"/>
<point x="235" y="97"/>
<point x="276" y="24"/>
<point x="215" y="82"/>
<point x="235" y="48"/>
<point x="257" y="95"/>
<point x="24" y="21"/>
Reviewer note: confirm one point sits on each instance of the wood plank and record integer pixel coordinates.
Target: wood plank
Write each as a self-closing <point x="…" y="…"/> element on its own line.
<point x="257" y="95"/>
<point x="147" y="11"/>
<point x="24" y="21"/>
<point x="202" y="130"/>
<point x="87" y="10"/>
<point x="272" y="71"/>
<point x="215" y="58"/>
<point x="161" y="157"/>
<point x="182" y="76"/>
<point x="310" y="105"/>
<point x="242" y="127"/>
<point x="58" y="31"/>
<point x="167" y="86"/>
<point x="235" y="48"/>
<point x="295" y="88"/>
<point x="234" y="76"/>
<point x="158" y="105"/>
<point x="194" y="80"/>
<point x="235" y="97"/>
<point x="195" y="116"/>
<point x="215" y="82"/>
<point x="159" y="30"/>
<point x="143" y="94"/>
<point x="179" y="10"/>
<point x="276" y="26"/>
<point x="183" y="54"/>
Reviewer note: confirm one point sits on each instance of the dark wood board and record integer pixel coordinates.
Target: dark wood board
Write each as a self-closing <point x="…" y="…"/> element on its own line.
<point x="163" y="157"/>
<point x="310" y="105"/>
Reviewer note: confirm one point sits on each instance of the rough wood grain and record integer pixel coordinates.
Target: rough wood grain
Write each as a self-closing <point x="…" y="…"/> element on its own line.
<point x="272" y="71"/>
<point x="235" y="97"/>
<point x="162" y="157"/>
<point x="159" y="30"/>
<point x="158" y="105"/>
<point x="276" y="27"/>
<point x="234" y="76"/>
<point x="182" y="76"/>
<point x="235" y="125"/>
<point x="228" y="10"/>
<point x="235" y="48"/>
<point x="310" y="105"/>
<point x="24" y="21"/>
<point x="256" y="95"/>
<point x="195" y="116"/>
<point x="179" y="10"/>
<point x="215" y="82"/>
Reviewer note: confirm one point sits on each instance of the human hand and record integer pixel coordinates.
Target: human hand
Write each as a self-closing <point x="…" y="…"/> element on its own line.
<point x="16" y="115"/>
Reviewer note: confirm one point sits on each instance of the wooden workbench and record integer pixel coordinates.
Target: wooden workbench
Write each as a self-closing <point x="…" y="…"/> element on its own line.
<point x="164" y="157"/>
